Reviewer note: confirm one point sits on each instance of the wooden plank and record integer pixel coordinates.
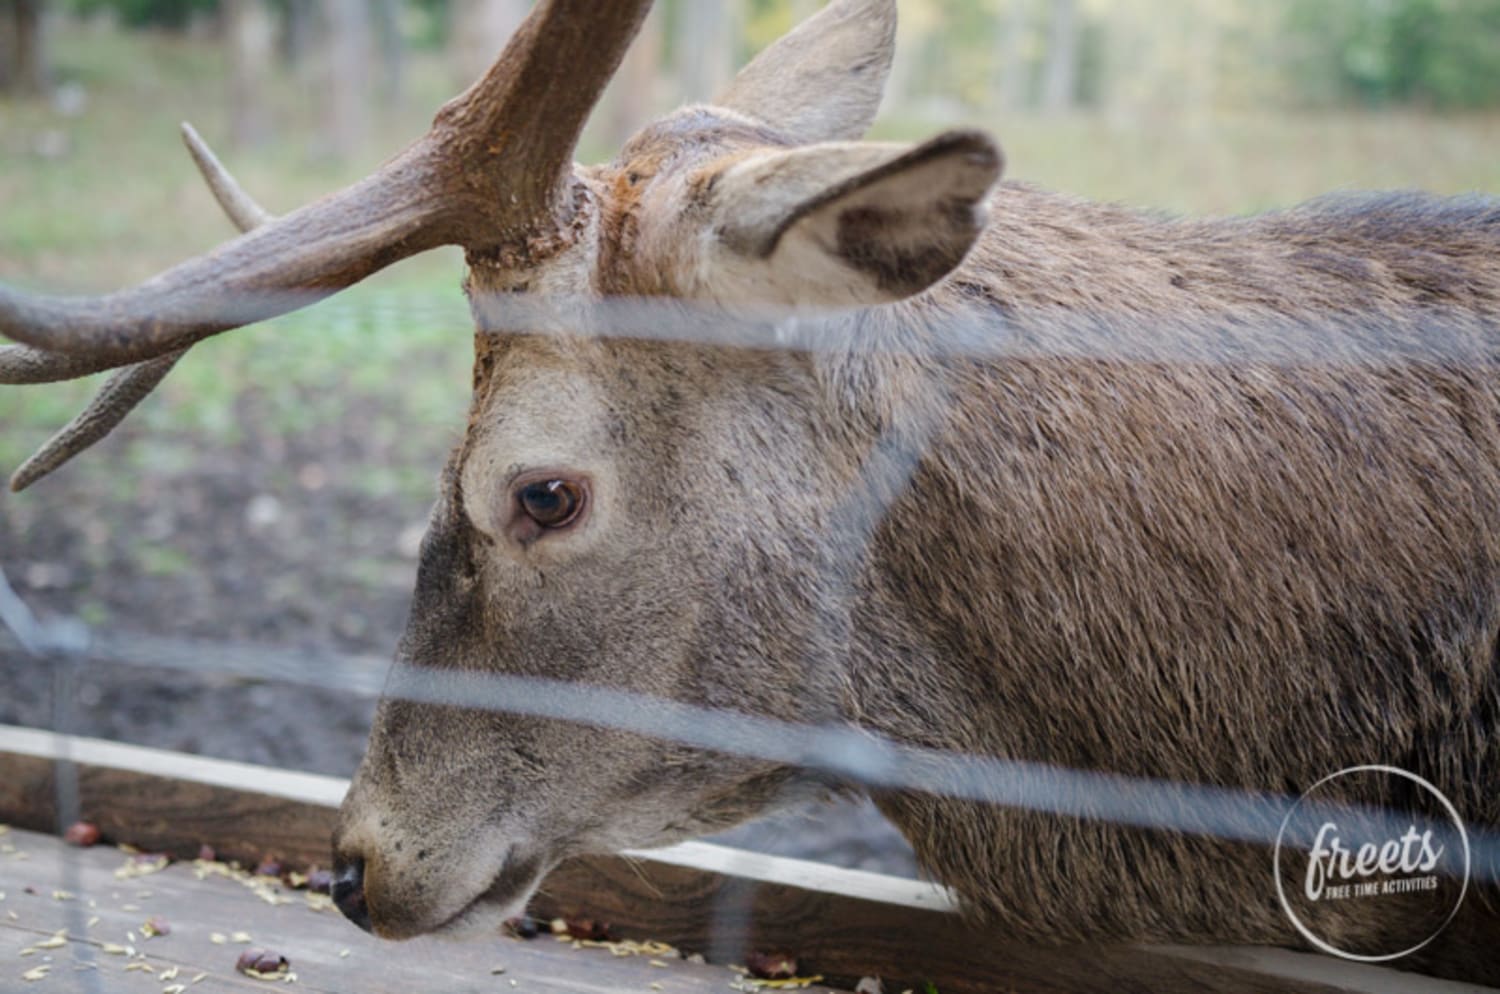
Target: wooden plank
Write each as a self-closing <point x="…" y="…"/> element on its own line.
<point x="169" y="803"/>
<point x="1324" y="969"/>
<point x="845" y="924"/>
<point x="327" y="954"/>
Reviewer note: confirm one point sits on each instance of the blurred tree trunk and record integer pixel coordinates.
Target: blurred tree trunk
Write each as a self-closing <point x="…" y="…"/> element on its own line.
<point x="347" y="106"/>
<point x="24" y="67"/>
<point x="635" y="92"/>
<point x="299" y="33"/>
<point x="251" y="36"/>
<point x="392" y="52"/>
<point x="1012" y="28"/>
<point x="7" y="46"/>
<point x="1060" y="78"/>
<point x="478" y="31"/>
<point x="706" y="32"/>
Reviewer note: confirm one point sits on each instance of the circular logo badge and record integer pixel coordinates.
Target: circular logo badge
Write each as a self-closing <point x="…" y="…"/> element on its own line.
<point x="1371" y="863"/>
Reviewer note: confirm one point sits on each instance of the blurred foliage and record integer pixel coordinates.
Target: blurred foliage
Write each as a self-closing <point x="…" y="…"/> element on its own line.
<point x="1182" y="111"/>
<point x="1436" y="53"/>
<point x="175" y="14"/>
<point x="1443" y="53"/>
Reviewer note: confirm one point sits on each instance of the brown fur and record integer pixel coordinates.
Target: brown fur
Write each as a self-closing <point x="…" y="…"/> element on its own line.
<point x="1225" y="514"/>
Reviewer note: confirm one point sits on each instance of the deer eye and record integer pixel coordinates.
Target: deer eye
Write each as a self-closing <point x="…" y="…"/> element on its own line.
<point x="551" y="503"/>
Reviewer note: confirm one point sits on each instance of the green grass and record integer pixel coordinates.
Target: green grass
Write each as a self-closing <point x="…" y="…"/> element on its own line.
<point x="1239" y="163"/>
<point x="125" y="202"/>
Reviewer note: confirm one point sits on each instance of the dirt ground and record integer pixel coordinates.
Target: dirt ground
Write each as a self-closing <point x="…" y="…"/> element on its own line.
<point x="270" y="541"/>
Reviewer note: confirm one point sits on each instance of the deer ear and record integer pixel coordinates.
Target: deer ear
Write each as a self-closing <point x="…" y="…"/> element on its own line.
<point x="823" y="81"/>
<point x="846" y="225"/>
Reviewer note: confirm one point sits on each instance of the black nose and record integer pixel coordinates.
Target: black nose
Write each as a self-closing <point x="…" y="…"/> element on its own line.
<point x="349" y="890"/>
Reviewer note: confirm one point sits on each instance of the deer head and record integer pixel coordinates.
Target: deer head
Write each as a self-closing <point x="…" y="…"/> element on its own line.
<point x="642" y="515"/>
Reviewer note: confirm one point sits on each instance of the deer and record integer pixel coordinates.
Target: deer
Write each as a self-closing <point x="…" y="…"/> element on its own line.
<point x="1015" y="475"/>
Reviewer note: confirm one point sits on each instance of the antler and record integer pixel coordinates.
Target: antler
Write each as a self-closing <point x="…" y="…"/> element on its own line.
<point x="123" y="392"/>
<point x="494" y="170"/>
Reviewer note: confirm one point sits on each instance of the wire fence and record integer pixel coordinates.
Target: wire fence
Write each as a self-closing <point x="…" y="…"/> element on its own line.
<point x="817" y="743"/>
<point x="974" y="327"/>
<point x="847" y="755"/>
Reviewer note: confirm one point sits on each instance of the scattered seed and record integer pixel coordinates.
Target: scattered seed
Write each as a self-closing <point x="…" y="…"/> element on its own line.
<point x="587" y="928"/>
<point x="495" y="971"/>
<point x="174" y="989"/>
<point x="62" y="895"/>
<point x="57" y="941"/>
<point x="263" y="964"/>
<point x="319" y="902"/>
<point x="139" y="967"/>
<point x="524" y="927"/>
<point x="200" y="978"/>
<point x="114" y="949"/>
<point x="37" y="973"/>
<point x="82" y="834"/>
<point x="218" y="938"/>
<point x="343" y="954"/>
<point x="320" y="881"/>
<point x="242" y="937"/>
<point x="142" y="864"/>
<point x="658" y="963"/>
<point x="771" y="966"/>
<point x="93" y="920"/>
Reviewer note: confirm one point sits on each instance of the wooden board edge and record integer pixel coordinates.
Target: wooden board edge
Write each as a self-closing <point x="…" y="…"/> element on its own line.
<point x="699" y="896"/>
<point x="1323" y="969"/>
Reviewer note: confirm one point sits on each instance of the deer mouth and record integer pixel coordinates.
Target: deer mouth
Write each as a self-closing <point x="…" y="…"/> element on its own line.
<point x="504" y="898"/>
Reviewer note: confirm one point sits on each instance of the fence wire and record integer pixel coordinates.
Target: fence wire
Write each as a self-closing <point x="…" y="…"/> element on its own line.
<point x="937" y="327"/>
<point x="842" y="754"/>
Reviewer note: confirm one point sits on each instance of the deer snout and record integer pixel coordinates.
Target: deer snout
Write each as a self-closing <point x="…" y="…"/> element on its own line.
<point x="399" y="881"/>
<point x="349" y="890"/>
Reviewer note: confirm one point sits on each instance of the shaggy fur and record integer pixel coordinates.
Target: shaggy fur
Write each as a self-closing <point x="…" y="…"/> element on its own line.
<point x="1203" y="501"/>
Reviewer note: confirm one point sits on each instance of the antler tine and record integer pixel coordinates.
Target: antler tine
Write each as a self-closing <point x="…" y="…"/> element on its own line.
<point x="525" y="115"/>
<point x="124" y="391"/>
<point x="529" y="110"/>
<point x="242" y="209"/>
<point x="120" y="395"/>
<point x="21" y="364"/>
<point x="279" y="267"/>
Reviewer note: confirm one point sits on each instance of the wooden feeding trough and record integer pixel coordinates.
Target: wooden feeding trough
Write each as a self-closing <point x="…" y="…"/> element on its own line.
<point x="75" y="919"/>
